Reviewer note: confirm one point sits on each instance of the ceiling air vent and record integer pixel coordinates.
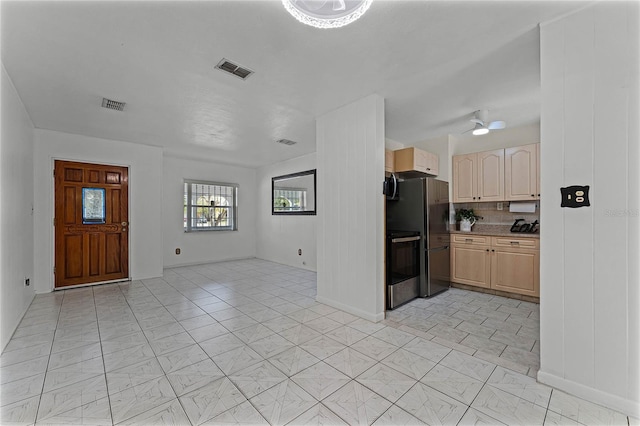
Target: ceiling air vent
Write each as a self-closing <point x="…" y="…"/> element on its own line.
<point x="286" y="142"/>
<point x="109" y="104"/>
<point x="235" y="69"/>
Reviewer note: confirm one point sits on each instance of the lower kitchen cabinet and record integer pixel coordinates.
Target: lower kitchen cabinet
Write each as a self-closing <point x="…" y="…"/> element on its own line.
<point x="470" y="261"/>
<point x="500" y="263"/>
<point x="516" y="271"/>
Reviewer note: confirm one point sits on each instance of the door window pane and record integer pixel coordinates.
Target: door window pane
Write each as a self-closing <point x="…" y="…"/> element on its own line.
<point x="93" y="205"/>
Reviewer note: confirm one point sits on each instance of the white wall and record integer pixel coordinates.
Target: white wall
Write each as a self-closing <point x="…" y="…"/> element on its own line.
<point x="16" y="215"/>
<point x="392" y="145"/>
<point x="279" y="237"/>
<point x="589" y="290"/>
<point x="145" y="196"/>
<point x="350" y="153"/>
<point x="210" y="246"/>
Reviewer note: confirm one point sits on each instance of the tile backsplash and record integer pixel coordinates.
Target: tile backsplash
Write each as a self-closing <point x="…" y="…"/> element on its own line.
<point x="492" y="216"/>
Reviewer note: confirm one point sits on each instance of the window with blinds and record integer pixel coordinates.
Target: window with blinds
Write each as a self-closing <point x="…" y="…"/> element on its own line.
<point x="210" y="206"/>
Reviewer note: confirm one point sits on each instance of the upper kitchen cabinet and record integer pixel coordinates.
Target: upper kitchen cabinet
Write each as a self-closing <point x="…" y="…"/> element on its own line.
<point x="388" y="161"/>
<point x="491" y="175"/>
<point x="478" y="177"/>
<point x="433" y="163"/>
<point x="521" y="173"/>
<point x="465" y="178"/>
<point x="415" y="160"/>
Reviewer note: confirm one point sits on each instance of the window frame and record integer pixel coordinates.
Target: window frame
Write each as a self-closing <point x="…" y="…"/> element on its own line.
<point x="233" y="207"/>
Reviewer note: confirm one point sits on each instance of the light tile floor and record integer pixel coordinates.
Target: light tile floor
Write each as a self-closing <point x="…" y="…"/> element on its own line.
<point x="244" y="342"/>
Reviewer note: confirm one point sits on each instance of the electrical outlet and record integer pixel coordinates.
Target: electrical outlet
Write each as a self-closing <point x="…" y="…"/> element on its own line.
<point x="575" y="196"/>
<point x="178" y="250"/>
<point x="27" y="282"/>
<point x="499" y="206"/>
<point x="299" y="252"/>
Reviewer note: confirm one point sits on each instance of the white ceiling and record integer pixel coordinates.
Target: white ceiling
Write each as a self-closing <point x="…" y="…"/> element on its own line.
<point x="434" y="62"/>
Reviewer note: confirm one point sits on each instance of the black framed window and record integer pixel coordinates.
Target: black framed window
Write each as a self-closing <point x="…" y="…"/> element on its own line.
<point x="294" y="194"/>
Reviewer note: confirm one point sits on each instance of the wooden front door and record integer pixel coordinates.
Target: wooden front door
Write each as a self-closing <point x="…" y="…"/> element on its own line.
<point x="91" y="223"/>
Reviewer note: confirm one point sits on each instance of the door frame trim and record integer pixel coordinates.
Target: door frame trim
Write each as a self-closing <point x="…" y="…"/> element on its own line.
<point x="52" y="230"/>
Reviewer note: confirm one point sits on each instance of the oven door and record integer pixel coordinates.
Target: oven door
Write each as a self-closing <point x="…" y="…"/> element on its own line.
<point x="403" y="270"/>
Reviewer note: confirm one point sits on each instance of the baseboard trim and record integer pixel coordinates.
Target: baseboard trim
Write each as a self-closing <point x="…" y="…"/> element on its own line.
<point x="624" y="406"/>
<point x="15" y="327"/>
<point x="351" y="310"/>
<point x="204" y="262"/>
<point x="281" y="262"/>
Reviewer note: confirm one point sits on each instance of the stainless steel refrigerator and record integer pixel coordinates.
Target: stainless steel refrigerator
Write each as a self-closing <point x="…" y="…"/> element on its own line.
<point x="423" y="206"/>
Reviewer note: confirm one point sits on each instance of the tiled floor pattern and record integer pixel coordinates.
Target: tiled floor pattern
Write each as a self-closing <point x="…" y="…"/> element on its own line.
<point x="245" y="342"/>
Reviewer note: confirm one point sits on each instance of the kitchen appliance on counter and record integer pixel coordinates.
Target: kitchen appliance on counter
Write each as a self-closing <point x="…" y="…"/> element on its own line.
<point x="423" y="206"/>
<point x="403" y="267"/>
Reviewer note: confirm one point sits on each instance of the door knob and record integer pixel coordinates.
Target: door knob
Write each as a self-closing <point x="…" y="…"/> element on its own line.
<point x="124" y="223"/>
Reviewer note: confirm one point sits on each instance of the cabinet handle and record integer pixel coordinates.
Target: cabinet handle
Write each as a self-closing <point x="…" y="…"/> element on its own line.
<point x="487" y="249"/>
<point x="532" y="195"/>
<point x="479" y="198"/>
<point x="538" y="195"/>
<point x="469" y="240"/>
<point x="428" y="168"/>
<point x="515" y="243"/>
<point x="474" y="198"/>
<point x="492" y="250"/>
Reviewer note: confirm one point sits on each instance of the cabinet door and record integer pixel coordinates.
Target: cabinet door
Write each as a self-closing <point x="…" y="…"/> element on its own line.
<point x="404" y="160"/>
<point x="432" y="163"/>
<point x="516" y="271"/>
<point x="538" y="169"/>
<point x="388" y="161"/>
<point x="464" y="177"/>
<point x="420" y="160"/>
<point x="491" y="175"/>
<point x="520" y="169"/>
<point x="471" y="265"/>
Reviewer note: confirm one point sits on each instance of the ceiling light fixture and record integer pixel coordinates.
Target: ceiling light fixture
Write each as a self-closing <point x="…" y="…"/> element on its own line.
<point x="479" y="130"/>
<point x="326" y="13"/>
<point x="482" y="123"/>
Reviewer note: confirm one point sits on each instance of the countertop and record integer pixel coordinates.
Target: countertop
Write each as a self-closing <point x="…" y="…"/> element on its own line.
<point x="496" y="231"/>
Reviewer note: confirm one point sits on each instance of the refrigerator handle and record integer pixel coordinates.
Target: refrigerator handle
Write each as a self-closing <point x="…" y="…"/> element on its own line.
<point x="395" y="185"/>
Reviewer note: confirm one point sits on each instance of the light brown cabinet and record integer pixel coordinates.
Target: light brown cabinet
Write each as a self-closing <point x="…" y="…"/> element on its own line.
<point x="433" y="163"/>
<point x="511" y="174"/>
<point x="478" y="177"/>
<point x="521" y="172"/>
<point x="515" y="270"/>
<point x="415" y="160"/>
<point x="491" y="175"/>
<point x="470" y="260"/>
<point x="465" y="178"/>
<point x="388" y="161"/>
<point x="500" y="263"/>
